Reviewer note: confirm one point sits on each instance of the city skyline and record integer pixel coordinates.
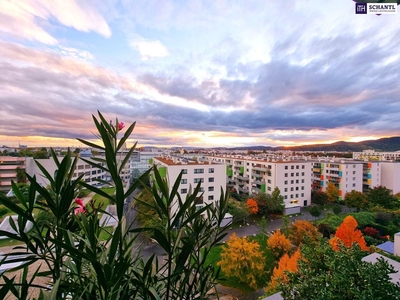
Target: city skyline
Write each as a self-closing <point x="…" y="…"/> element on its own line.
<point x="201" y="73"/>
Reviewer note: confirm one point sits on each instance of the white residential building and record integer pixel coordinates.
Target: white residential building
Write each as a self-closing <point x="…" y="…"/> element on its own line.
<point x="391" y="176"/>
<point x="371" y="175"/>
<point x="211" y="175"/>
<point x="346" y="175"/>
<point x="90" y="174"/>
<point x="376" y="155"/>
<point x="252" y="176"/>
<point x="8" y="170"/>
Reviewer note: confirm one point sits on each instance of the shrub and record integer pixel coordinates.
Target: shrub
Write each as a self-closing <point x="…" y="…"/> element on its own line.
<point x="3" y="210"/>
<point x="372" y="232"/>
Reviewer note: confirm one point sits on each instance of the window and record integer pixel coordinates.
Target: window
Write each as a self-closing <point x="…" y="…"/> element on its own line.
<point x="302" y="194"/>
<point x="286" y="181"/>
<point x="297" y="181"/>
<point x="302" y="188"/>
<point x="302" y="181"/>
<point x="297" y="195"/>
<point x="297" y="167"/>
<point x="80" y="167"/>
<point x="286" y="174"/>
<point x="327" y="171"/>
<point x="302" y="173"/>
<point x="183" y="191"/>
<point x="291" y="196"/>
<point x="211" y="197"/>
<point x="302" y="166"/>
<point x="297" y="188"/>
<point x="354" y="166"/>
<point x="198" y="171"/>
<point x="285" y="196"/>
<point x="183" y="181"/>
<point x="286" y="167"/>
<point x="211" y="179"/>
<point x="285" y="189"/>
<point x="354" y="178"/>
<point x="291" y="181"/>
<point x="291" y="189"/>
<point x="292" y="174"/>
<point x="210" y="188"/>
<point x="292" y="167"/>
<point x="354" y="172"/>
<point x="269" y="188"/>
<point x="354" y="185"/>
<point x="297" y="174"/>
<point x="211" y="170"/>
<point x="197" y="180"/>
<point x="184" y="171"/>
<point x="201" y="189"/>
<point x="269" y="180"/>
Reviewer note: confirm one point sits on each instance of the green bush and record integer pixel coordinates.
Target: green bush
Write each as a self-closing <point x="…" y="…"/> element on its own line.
<point x="3" y="210"/>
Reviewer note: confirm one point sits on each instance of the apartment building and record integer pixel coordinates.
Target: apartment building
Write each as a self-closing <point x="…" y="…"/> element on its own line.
<point x="8" y="171"/>
<point x="376" y="155"/>
<point x="141" y="161"/>
<point x="345" y="175"/>
<point x="390" y="177"/>
<point x="252" y="176"/>
<point x="211" y="175"/>
<point x="90" y="174"/>
<point x="371" y="175"/>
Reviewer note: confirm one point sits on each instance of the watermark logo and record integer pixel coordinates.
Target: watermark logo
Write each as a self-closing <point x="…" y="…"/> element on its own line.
<point x="376" y="8"/>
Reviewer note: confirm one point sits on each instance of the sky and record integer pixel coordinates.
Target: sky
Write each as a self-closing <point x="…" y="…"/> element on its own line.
<point x="198" y="73"/>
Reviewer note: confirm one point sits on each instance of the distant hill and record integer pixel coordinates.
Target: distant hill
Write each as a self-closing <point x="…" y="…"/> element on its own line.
<point x="383" y="144"/>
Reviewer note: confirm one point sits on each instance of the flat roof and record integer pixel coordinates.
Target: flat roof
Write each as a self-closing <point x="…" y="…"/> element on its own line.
<point x="172" y="162"/>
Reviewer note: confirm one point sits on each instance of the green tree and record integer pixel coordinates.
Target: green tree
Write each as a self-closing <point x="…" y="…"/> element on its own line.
<point x="238" y="210"/>
<point x="40" y="154"/>
<point x="332" y="192"/>
<point x="337" y="209"/>
<point x="319" y="197"/>
<point x="21" y="177"/>
<point x="356" y="199"/>
<point x="327" y="274"/>
<point x="315" y="211"/>
<point x="382" y="196"/>
<point x="277" y="203"/>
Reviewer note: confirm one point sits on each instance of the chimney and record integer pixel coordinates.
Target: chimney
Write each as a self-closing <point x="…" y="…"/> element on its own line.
<point x="397" y="244"/>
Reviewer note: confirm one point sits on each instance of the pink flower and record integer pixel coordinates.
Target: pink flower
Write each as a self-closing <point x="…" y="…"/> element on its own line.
<point x="79" y="210"/>
<point x="79" y="201"/>
<point x="121" y="125"/>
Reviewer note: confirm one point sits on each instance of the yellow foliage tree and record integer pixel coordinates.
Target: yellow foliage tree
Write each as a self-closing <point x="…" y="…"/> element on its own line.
<point x="300" y="229"/>
<point x="347" y="233"/>
<point x="252" y="206"/>
<point x="285" y="264"/>
<point x="242" y="259"/>
<point x="278" y="244"/>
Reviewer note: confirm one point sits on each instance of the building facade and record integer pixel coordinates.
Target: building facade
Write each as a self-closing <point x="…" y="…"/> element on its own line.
<point x="376" y="155"/>
<point x="8" y="171"/>
<point x="211" y="175"/>
<point x="391" y="176"/>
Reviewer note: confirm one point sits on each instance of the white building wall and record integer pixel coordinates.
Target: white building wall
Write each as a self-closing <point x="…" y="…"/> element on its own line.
<point x="390" y="177"/>
<point x="211" y="175"/>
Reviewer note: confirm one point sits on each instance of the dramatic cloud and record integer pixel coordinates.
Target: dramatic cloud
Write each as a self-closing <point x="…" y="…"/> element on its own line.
<point x="200" y="74"/>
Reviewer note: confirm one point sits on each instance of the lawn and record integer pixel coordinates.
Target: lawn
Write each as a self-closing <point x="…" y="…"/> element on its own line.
<point x="102" y="200"/>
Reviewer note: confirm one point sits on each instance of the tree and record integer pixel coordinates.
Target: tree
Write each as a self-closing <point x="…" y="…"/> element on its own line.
<point x="277" y="202"/>
<point x="238" y="210"/>
<point x="327" y="274"/>
<point x="302" y="231"/>
<point x="263" y="224"/>
<point x="315" y="211"/>
<point x="40" y="154"/>
<point x="348" y="234"/>
<point x="20" y="175"/>
<point x="279" y="275"/>
<point x="242" y="259"/>
<point x="356" y="199"/>
<point x="332" y="192"/>
<point x="337" y="209"/>
<point x="252" y="206"/>
<point x="278" y="244"/>
<point x="319" y="198"/>
<point x="382" y="196"/>
<point x="263" y="202"/>
<point x="326" y="230"/>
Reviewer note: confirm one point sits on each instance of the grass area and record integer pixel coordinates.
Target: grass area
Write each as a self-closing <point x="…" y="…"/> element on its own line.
<point x="84" y="193"/>
<point x="9" y="242"/>
<point x="102" y="200"/>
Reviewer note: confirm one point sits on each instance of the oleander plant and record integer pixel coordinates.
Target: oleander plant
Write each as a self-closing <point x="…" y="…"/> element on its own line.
<point x="81" y="258"/>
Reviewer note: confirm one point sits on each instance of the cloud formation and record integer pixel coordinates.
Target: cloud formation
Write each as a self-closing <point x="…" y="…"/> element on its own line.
<point x="199" y="74"/>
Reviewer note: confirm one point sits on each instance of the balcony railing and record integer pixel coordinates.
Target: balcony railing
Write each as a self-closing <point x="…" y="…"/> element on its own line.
<point x="243" y="190"/>
<point x="243" y="178"/>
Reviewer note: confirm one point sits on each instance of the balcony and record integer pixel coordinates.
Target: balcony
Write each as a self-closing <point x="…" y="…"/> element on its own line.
<point x="259" y="181"/>
<point x="261" y="169"/>
<point x="245" y="178"/>
<point x="243" y="190"/>
<point x="255" y="190"/>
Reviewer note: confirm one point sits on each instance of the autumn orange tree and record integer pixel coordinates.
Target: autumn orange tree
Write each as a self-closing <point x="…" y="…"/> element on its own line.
<point x="347" y="233"/>
<point x="332" y="192"/>
<point x="252" y="206"/>
<point x="300" y="229"/>
<point x="279" y="276"/>
<point x="278" y="244"/>
<point x="242" y="259"/>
